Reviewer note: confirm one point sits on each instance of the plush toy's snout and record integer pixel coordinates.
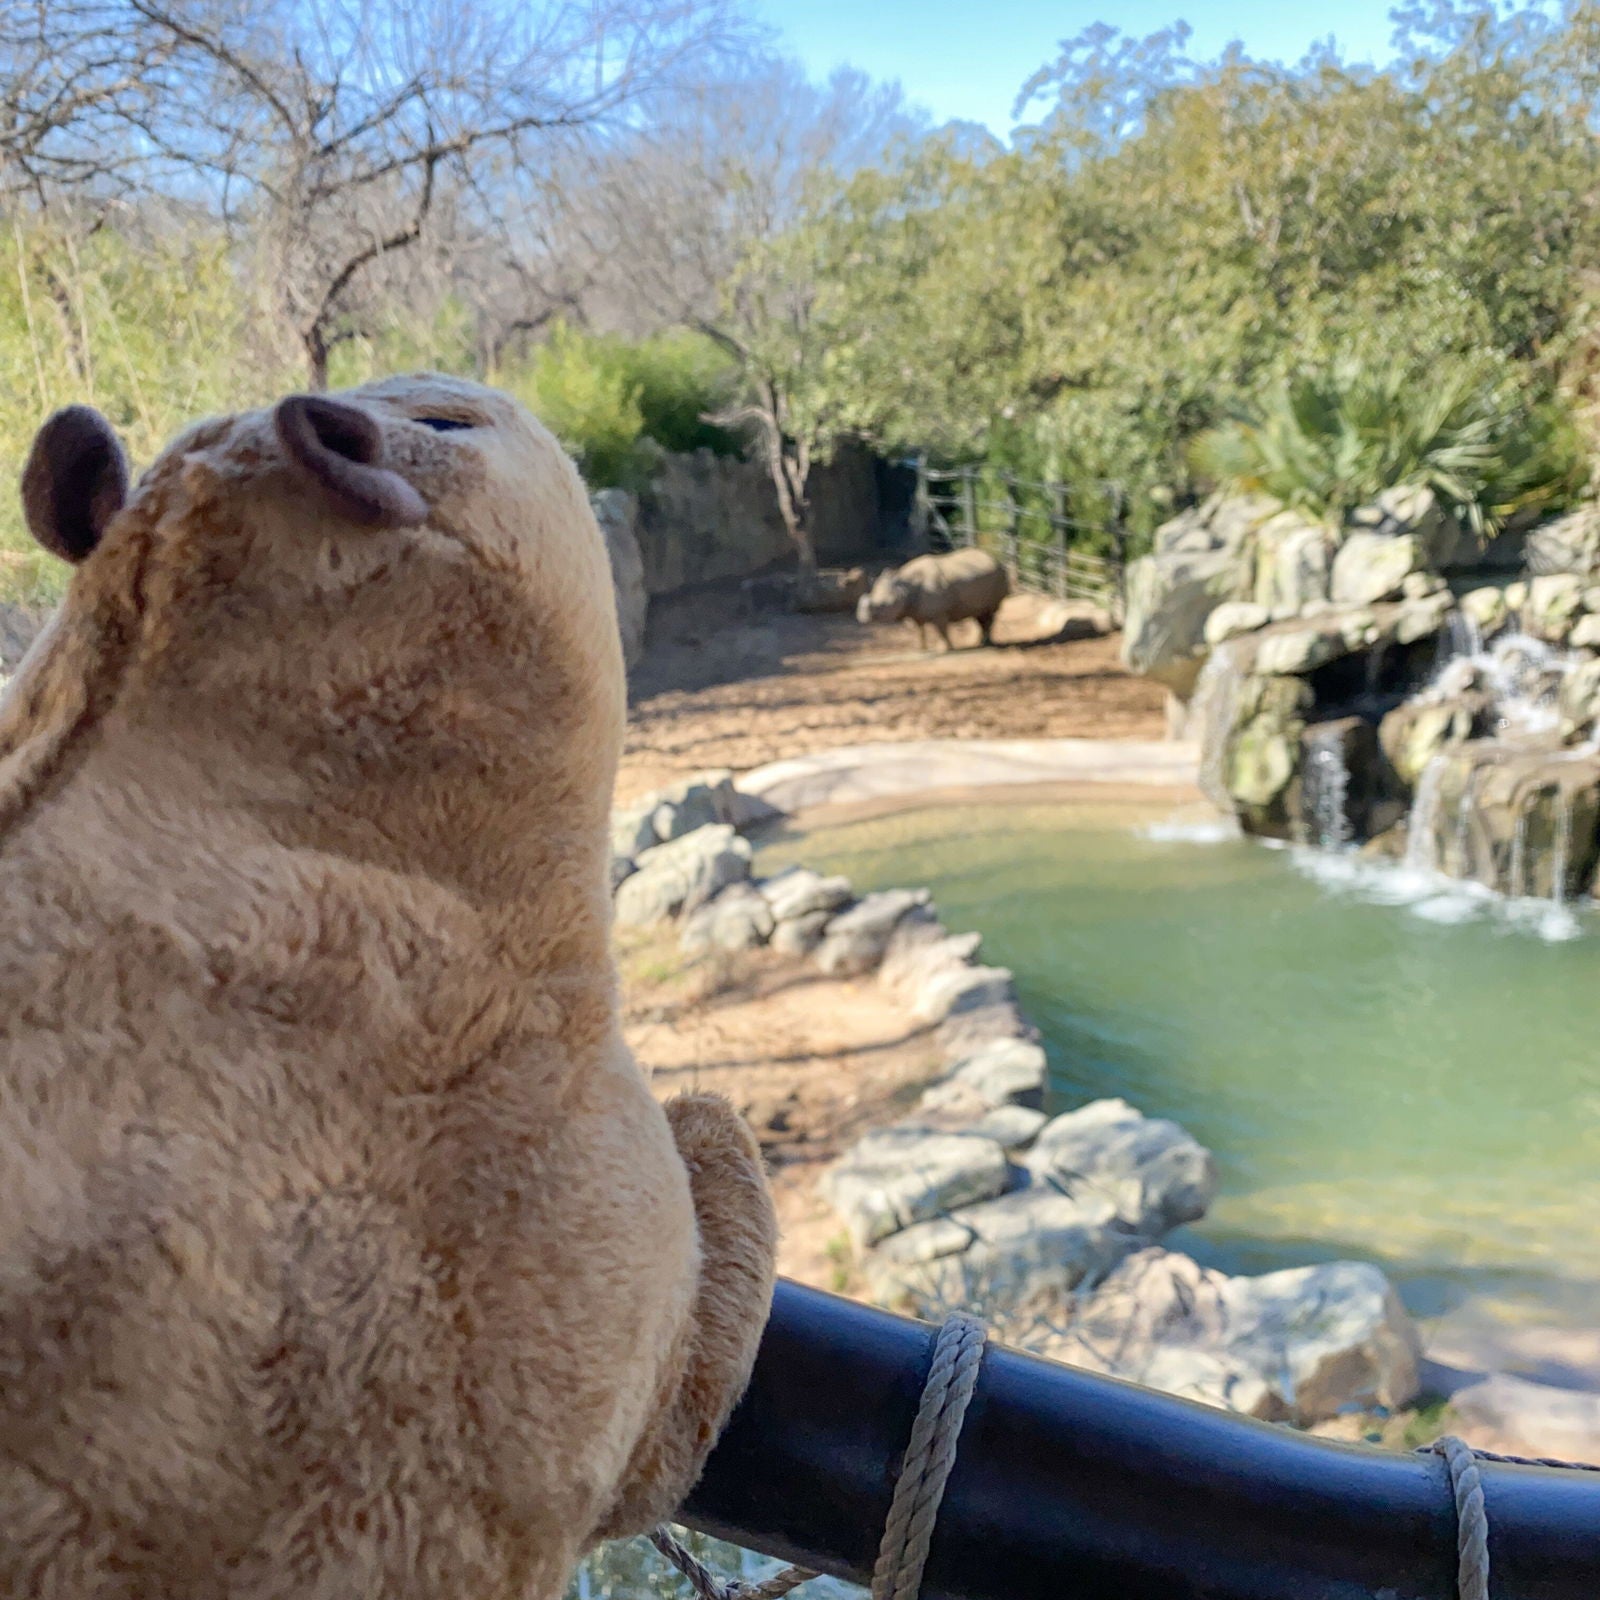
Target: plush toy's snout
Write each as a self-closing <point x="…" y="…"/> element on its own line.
<point x="341" y="448"/>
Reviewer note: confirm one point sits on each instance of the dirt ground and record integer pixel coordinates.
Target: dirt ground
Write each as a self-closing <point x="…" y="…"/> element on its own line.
<point x="813" y="1062"/>
<point x="722" y="686"/>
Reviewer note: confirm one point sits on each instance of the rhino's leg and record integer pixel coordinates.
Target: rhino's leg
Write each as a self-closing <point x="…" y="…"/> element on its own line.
<point x="944" y="633"/>
<point x="986" y="627"/>
<point x="922" y="634"/>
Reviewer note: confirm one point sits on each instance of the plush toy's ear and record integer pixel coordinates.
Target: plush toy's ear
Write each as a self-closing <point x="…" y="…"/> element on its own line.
<point x="340" y="448"/>
<point x="74" y="483"/>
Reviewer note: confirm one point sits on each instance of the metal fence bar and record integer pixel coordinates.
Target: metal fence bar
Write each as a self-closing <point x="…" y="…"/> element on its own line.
<point x="1032" y="529"/>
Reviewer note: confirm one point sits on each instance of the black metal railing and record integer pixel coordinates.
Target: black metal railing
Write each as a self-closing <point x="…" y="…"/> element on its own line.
<point x="1070" y="1486"/>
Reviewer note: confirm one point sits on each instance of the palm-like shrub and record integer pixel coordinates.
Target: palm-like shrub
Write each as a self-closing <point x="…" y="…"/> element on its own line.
<point x="1327" y="442"/>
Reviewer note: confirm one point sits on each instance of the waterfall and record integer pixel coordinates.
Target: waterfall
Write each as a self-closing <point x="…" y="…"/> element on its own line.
<point x="1462" y="638"/>
<point x="1460" y="838"/>
<point x="1517" y="885"/>
<point x="1216" y="699"/>
<point x="1422" y="854"/>
<point x="1561" y="853"/>
<point x="1521" y="675"/>
<point x="1327" y="790"/>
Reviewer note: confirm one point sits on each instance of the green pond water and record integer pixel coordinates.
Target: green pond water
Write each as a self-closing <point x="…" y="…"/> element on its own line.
<point x="1386" y="1069"/>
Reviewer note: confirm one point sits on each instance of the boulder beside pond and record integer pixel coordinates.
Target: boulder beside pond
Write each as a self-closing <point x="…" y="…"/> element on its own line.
<point x="1156" y="1174"/>
<point x="1093" y="1185"/>
<point x="1021" y="1251"/>
<point x="855" y="940"/>
<point x="897" y="1177"/>
<point x="672" y="880"/>
<point x="739" y="918"/>
<point x="1297" y="1346"/>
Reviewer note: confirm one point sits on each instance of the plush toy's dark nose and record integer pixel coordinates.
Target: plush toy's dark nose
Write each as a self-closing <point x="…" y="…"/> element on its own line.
<point x="340" y="447"/>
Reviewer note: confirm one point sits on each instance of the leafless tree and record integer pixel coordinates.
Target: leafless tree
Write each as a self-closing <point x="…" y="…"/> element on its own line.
<point x="668" y="222"/>
<point x="329" y="131"/>
<point x="71" y="73"/>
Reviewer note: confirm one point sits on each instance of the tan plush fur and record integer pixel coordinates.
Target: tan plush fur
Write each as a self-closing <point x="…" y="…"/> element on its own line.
<point x="343" y="1250"/>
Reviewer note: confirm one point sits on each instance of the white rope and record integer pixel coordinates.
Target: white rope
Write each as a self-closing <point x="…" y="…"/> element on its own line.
<point x="914" y="1510"/>
<point x="1472" y="1515"/>
<point x="1472" y="1519"/>
<point x="930" y="1454"/>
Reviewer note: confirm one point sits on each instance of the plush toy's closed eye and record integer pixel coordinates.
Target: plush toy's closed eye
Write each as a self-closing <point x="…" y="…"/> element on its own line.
<point x="74" y="483"/>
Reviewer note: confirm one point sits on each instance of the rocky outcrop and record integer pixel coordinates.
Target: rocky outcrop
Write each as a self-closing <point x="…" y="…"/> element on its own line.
<point x="1349" y="684"/>
<point x="857" y="939"/>
<point x="617" y="512"/>
<point x="671" y="880"/>
<point x="1374" y="566"/>
<point x="1004" y="1072"/>
<point x="1414" y="733"/>
<point x="1170" y="599"/>
<point x="1519" y="820"/>
<point x="1091" y="1186"/>
<point x="739" y="918"/>
<point x="1155" y="1175"/>
<point x="1567" y="544"/>
<point x="897" y="1177"/>
<point x="683" y="808"/>
<point x="800" y="893"/>
<point x="1293" y="563"/>
<point x="1298" y="1346"/>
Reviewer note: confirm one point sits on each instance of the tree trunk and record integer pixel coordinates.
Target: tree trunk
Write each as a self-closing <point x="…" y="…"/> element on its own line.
<point x="790" y="464"/>
<point x="316" y="350"/>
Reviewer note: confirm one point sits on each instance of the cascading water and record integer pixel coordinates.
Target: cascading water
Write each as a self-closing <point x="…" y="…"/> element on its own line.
<point x="1461" y="837"/>
<point x="1327" y="793"/>
<point x="1517" y="885"/>
<point x="1422" y="850"/>
<point x="1561" y="852"/>
<point x="1486" y="814"/>
<point x="1519" y="675"/>
<point x="1462" y="637"/>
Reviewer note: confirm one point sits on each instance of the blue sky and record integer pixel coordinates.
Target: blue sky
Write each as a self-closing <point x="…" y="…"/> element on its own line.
<point x="968" y="58"/>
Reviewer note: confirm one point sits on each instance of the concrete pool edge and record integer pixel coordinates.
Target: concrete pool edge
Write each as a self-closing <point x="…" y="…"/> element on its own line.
<point x="916" y="770"/>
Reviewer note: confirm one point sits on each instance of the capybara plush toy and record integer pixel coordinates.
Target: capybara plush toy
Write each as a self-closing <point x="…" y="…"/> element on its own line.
<point x="344" y="1252"/>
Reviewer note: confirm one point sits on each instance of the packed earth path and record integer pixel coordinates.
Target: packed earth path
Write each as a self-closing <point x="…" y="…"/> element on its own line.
<point x="718" y="688"/>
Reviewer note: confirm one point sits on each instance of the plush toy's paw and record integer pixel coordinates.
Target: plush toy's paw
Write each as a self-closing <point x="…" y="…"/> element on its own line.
<point x="738" y="1243"/>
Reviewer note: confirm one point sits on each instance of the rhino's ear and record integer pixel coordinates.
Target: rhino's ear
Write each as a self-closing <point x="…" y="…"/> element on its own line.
<point x="74" y="483"/>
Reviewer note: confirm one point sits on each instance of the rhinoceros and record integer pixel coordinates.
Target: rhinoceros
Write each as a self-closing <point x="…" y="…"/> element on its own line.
<point x="936" y="591"/>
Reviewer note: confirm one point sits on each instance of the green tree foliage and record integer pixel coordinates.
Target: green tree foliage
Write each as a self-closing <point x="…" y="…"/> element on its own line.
<point x="1174" y="242"/>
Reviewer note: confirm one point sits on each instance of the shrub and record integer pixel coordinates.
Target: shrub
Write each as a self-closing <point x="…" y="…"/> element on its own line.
<point x="1329" y="441"/>
<point x="682" y="379"/>
<point x="615" y="405"/>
